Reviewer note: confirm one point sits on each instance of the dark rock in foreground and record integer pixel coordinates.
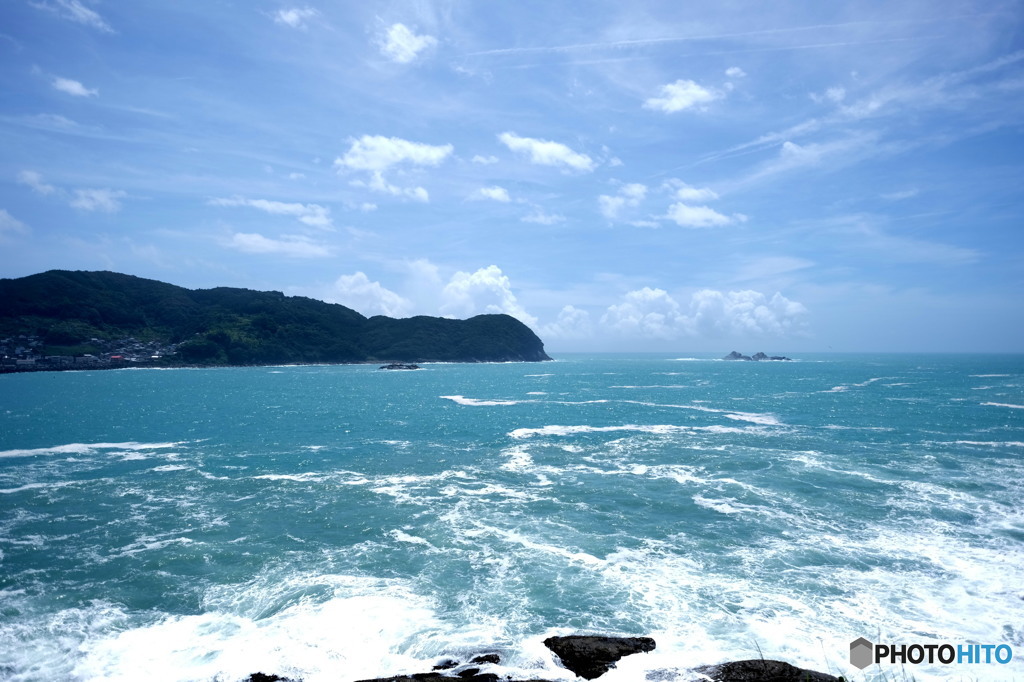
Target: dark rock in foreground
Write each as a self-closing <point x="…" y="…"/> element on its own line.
<point x="593" y="656"/>
<point x="756" y="357"/>
<point x="761" y="670"/>
<point x="263" y="677"/>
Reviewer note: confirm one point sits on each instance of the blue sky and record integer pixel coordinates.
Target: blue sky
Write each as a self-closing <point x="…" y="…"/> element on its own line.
<point x="785" y="176"/>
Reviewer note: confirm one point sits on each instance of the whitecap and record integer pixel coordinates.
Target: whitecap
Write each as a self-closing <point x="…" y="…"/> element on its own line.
<point x="1010" y="405"/>
<point x="475" y="402"/>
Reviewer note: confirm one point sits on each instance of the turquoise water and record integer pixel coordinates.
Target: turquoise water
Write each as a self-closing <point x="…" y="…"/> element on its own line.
<point x="340" y="522"/>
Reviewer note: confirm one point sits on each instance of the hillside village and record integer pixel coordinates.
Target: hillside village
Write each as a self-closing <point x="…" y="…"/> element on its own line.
<point x="28" y="353"/>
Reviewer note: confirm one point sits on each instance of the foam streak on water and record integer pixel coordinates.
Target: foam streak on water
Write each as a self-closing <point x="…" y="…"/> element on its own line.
<point x="330" y="523"/>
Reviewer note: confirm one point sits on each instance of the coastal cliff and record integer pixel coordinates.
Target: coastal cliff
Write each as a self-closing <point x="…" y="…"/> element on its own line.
<point x="61" y="318"/>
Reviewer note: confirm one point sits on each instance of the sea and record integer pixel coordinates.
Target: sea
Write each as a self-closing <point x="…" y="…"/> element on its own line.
<point x="342" y="522"/>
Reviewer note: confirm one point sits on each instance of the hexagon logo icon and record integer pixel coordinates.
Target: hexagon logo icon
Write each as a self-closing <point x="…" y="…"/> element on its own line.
<point x="861" y="653"/>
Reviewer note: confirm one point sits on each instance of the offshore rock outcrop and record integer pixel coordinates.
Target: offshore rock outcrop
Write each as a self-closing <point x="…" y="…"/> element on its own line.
<point x="589" y="657"/>
<point x="762" y="670"/>
<point x="592" y="656"/>
<point x="756" y="357"/>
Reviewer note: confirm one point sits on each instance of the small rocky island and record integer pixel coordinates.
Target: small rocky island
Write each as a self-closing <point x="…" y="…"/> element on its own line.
<point x="757" y="357"/>
<point x="589" y="657"/>
<point x="399" y="365"/>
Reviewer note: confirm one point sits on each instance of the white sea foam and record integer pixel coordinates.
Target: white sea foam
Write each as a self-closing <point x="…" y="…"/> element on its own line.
<point x="983" y="376"/>
<point x="35" y="486"/>
<point x="1010" y="405"/>
<point x="171" y="467"/>
<point x="475" y="402"/>
<point x="86" y="448"/>
<point x="367" y="628"/>
<point x="299" y="478"/>
<point x="992" y="444"/>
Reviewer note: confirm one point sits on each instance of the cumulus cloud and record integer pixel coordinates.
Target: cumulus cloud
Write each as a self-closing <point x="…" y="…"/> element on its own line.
<point x="655" y="313"/>
<point x="105" y="200"/>
<point x="681" y="95"/>
<point x="34" y="180"/>
<point x="745" y="313"/>
<point x="648" y="313"/>
<point x="295" y="246"/>
<point x="493" y="193"/>
<point x="834" y="95"/>
<point x="685" y="192"/>
<point x="628" y="196"/>
<point x="377" y="154"/>
<point x="295" y="17"/>
<point x="487" y="290"/>
<point x="401" y="45"/>
<point x="686" y="215"/>
<point x="547" y="153"/>
<point x="9" y="225"/>
<point x="72" y="87"/>
<point x="74" y="10"/>
<point x="369" y="298"/>
<point x="484" y="160"/>
<point x="735" y="72"/>
<point x="572" y="323"/>
<point x="313" y="215"/>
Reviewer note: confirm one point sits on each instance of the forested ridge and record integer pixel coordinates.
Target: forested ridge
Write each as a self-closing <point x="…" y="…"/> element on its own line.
<point x="68" y="309"/>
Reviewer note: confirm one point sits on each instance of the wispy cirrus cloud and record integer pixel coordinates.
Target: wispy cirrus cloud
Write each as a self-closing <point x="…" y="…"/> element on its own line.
<point x="292" y="245"/>
<point x="103" y="199"/>
<point x="74" y="10"/>
<point x="313" y="215"/>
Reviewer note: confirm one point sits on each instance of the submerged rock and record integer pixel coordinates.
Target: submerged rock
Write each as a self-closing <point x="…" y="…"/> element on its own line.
<point x="591" y="656"/>
<point x="761" y="670"/>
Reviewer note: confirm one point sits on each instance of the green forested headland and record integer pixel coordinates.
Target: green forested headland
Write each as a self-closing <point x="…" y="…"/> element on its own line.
<point x="228" y="326"/>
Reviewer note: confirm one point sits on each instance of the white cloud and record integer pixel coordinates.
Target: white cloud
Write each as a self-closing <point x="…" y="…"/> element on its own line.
<point x="377" y="183"/>
<point x="735" y="72"/>
<point x="572" y="323"/>
<point x="834" y="95"/>
<point x="35" y="180"/>
<point x="745" y="313"/>
<point x="313" y="215"/>
<point x="73" y="10"/>
<point x="494" y="193"/>
<point x="295" y="17"/>
<point x="685" y="215"/>
<point x="369" y="298"/>
<point x="628" y="196"/>
<point x="685" y="192"/>
<point x="541" y="218"/>
<point x="73" y="88"/>
<point x="399" y="44"/>
<point x="105" y="200"/>
<point x="484" y="160"/>
<point x="296" y="246"/>
<point x="547" y="153"/>
<point x="378" y="153"/>
<point x="487" y="290"/>
<point x="655" y="313"/>
<point x="10" y="225"/>
<point x="683" y="94"/>
<point x="647" y="313"/>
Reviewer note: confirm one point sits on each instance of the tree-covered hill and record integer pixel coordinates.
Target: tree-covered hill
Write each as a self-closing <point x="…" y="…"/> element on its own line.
<point x="68" y="309"/>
